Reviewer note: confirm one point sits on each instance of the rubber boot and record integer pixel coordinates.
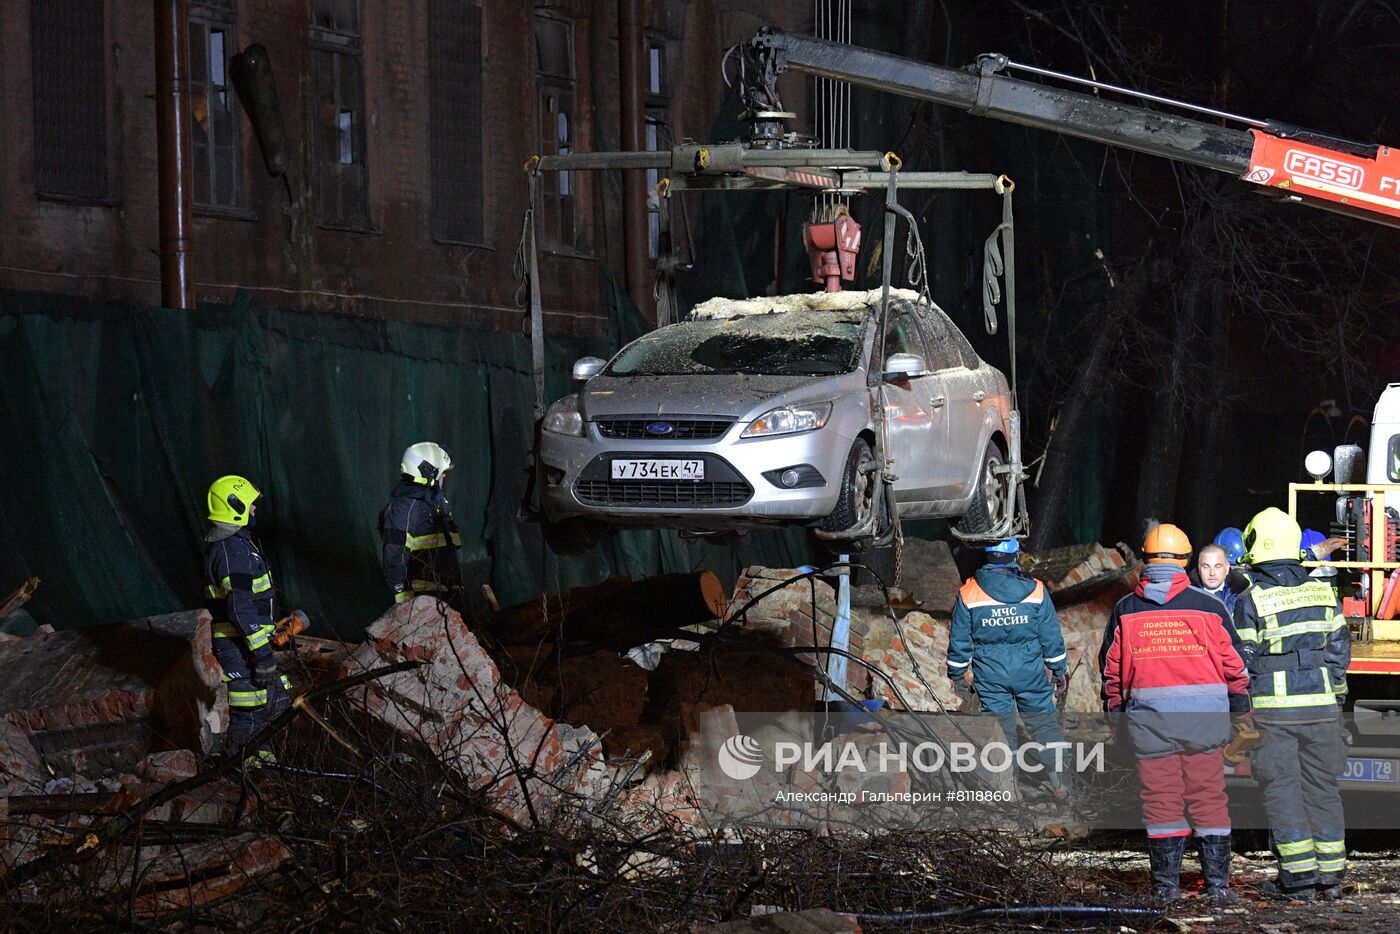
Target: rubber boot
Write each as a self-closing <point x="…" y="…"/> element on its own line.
<point x="1215" y="852"/>
<point x="1164" y="854"/>
<point x="1273" y="890"/>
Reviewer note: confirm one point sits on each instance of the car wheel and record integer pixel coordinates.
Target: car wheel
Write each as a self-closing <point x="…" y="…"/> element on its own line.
<point x="573" y="536"/>
<point x="858" y="493"/>
<point x="988" y="500"/>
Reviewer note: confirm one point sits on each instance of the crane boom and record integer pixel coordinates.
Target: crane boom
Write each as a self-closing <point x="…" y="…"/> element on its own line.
<point x="1358" y="179"/>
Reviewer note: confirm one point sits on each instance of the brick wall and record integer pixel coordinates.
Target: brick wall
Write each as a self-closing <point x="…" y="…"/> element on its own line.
<point x="394" y="268"/>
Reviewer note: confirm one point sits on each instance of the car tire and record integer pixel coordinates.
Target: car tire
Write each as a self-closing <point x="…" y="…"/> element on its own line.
<point x="881" y="564"/>
<point x="573" y="536"/>
<point x="983" y="510"/>
<point x="853" y="505"/>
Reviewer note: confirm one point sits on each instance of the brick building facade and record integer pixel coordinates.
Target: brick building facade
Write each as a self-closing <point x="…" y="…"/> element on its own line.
<point x="407" y="123"/>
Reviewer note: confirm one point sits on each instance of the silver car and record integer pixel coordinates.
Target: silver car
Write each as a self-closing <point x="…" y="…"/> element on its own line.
<point x="763" y="412"/>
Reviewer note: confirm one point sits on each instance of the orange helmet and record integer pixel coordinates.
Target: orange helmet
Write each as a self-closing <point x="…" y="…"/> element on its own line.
<point x="1166" y="544"/>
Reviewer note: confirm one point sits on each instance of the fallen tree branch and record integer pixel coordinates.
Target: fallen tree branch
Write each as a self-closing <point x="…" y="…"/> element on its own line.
<point x="118" y="825"/>
<point x="19" y="598"/>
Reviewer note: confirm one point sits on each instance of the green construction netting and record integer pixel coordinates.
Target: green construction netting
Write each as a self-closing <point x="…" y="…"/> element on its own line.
<point x="114" y="418"/>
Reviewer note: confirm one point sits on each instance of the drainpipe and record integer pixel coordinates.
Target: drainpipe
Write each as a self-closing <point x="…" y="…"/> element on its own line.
<point x="176" y="179"/>
<point x="634" y="183"/>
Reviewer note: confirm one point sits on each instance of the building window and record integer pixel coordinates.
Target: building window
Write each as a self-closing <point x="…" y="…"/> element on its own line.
<point x="658" y="132"/>
<point x="454" y="119"/>
<point x="341" y="185"/>
<point x="69" y="68"/>
<point x="214" y="109"/>
<point x="555" y="96"/>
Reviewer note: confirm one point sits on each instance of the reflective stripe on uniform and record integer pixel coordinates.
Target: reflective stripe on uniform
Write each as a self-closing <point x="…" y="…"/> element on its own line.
<point x="1297" y="629"/>
<point x="259" y="639"/>
<point x="1295" y="848"/>
<point x="424" y="542"/>
<point x="225" y="631"/>
<point x="1057" y="658"/>
<point x="1331" y="855"/>
<point x="1298" y="866"/>
<point x="286" y="683"/>
<point x="974" y="596"/>
<point x="262" y="584"/>
<point x="247" y="698"/>
<point x="1280" y="697"/>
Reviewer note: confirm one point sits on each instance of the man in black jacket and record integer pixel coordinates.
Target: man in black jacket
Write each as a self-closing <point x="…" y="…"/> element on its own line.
<point x="420" y="539"/>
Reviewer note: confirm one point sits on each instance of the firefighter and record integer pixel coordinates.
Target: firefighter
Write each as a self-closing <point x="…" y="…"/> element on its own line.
<point x="238" y="585"/>
<point x="1005" y="635"/>
<point x="1297" y="647"/>
<point x="419" y="537"/>
<point x="1170" y="665"/>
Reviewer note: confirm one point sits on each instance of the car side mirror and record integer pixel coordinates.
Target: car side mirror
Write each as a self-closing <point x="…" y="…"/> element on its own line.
<point x="901" y="367"/>
<point x="585" y="368"/>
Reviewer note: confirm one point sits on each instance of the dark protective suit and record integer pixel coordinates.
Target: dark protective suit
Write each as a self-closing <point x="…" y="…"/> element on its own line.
<point x="239" y="595"/>
<point x="420" y="544"/>
<point x="1005" y="627"/>
<point x="1297" y="646"/>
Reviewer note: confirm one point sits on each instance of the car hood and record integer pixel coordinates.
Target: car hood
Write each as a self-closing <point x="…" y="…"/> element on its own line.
<point x="727" y="396"/>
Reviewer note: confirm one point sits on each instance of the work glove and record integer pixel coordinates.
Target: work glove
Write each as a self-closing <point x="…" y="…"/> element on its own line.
<point x="265" y="674"/>
<point x="962" y="689"/>
<point x="1061" y="680"/>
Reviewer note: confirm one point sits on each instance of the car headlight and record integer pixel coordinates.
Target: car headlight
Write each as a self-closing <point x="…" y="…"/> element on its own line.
<point x="788" y="419"/>
<point x="563" y="418"/>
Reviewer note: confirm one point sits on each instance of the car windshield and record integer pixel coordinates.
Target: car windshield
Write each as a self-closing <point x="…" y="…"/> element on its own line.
<point x="789" y="343"/>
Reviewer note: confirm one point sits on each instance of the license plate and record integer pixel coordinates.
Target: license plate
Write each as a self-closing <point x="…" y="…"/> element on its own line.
<point x="650" y="469"/>
<point x="1369" y="770"/>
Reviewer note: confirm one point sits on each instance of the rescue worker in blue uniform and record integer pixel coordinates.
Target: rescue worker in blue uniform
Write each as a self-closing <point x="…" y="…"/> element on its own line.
<point x="239" y="593"/>
<point x="1296" y="647"/>
<point x="1004" y="637"/>
<point x="420" y="540"/>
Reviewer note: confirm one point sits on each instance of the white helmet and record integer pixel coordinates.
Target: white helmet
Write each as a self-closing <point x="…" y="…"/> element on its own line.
<point x="424" y="462"/>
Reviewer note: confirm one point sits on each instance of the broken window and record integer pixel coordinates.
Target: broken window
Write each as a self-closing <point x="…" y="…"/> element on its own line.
<point x="338" y="139"/>
<point x="454" y="122"/>
<point x="793" y="343"/>
<point x="555" y="82"/>
<point x="214" y="109"/>
<point x="68" y="63"/>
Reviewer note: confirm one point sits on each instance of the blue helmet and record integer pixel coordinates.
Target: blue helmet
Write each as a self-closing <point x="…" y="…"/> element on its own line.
<point x="1007" y="546"/>
<point x="1231" y="540"/>
<point x="1312" y="537"/>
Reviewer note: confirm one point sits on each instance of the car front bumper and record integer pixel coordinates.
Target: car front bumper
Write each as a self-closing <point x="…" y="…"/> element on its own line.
<point x="735" y="493"/>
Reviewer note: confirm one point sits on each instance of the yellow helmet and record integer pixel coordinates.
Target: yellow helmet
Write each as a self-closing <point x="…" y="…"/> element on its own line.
<point x="1272" y="536"/>
<point x="424" y="462"/>
<point x="230" y="498"/>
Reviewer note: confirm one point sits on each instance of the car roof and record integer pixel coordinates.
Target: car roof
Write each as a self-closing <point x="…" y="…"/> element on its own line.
<point x="724" y="308"/>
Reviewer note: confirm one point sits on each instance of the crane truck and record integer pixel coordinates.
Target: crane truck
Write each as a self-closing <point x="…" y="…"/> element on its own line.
<point x="1289" y="163"/>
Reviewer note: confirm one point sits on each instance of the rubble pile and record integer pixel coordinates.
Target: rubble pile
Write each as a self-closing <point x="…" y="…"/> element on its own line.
<point x="577" y="717"/>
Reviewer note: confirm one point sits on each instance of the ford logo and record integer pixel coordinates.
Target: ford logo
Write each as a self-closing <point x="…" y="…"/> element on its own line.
<point x="660" y="428"/>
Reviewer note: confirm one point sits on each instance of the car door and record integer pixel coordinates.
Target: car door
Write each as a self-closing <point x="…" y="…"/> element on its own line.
<point x="914" y="414"/>
<point x="948" y="353"/>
